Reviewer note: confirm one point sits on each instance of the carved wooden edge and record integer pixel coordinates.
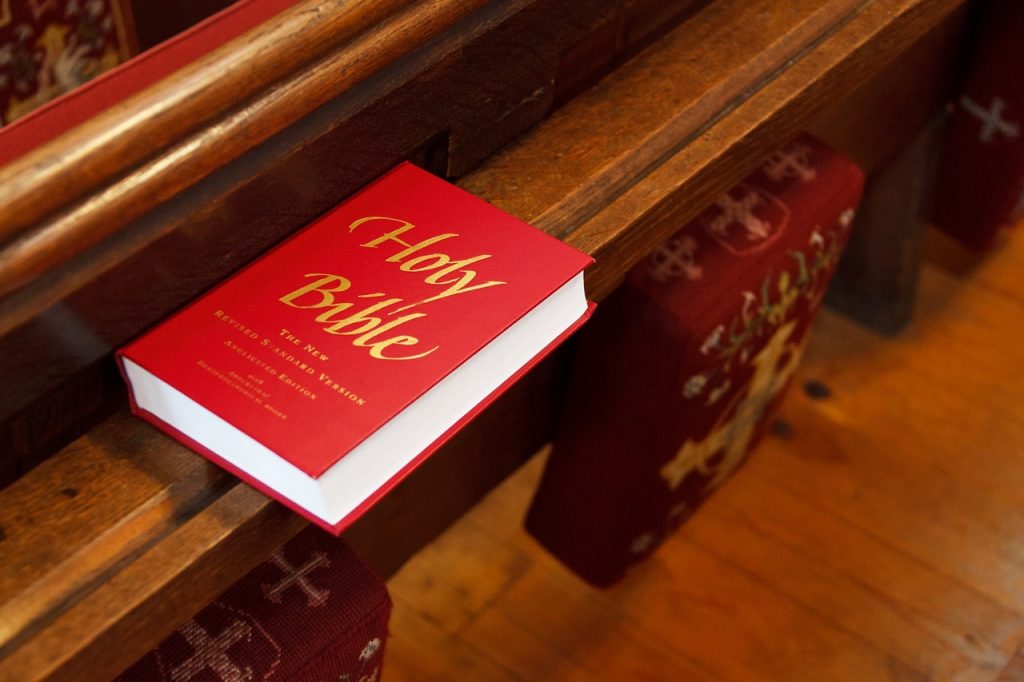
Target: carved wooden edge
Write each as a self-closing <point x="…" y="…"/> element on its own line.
<point x="722" y="153"/>
<point x="178" y="103"/>
<point x="107" y="212"/>
<point x="192" y="564"/>
<point x="122" y="536"/>
<point x="51" y="243"/>
<point x="697" y="73"/>
<point x="70" y="193"/>
<point x="634" y="220"/>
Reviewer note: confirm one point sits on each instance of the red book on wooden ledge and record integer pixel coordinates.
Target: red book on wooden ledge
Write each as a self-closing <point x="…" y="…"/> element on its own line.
<point x="327" y="370"/>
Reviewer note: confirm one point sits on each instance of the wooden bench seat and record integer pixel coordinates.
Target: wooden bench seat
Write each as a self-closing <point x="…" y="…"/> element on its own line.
<point x="121" y="536"/>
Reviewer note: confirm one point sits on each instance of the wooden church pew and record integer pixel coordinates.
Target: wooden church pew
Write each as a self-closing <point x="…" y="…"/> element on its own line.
<point x="123" y="534"/>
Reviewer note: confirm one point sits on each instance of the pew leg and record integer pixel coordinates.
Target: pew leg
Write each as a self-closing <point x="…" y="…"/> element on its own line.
<point x="877" y="277"/>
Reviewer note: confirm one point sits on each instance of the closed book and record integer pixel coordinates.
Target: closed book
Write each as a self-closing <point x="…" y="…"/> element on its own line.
<point x="682" y="367"/>
<point x="312" y="611"/>
<point x="328" y="369"/>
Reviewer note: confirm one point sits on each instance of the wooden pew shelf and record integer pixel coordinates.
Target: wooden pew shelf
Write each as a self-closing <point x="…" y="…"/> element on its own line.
<point x="111" y="543"/>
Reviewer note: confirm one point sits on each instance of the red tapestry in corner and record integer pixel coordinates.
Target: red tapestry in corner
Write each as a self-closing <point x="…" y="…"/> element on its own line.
<point x="48" y="47"/>
<point x="980" y="185"/>
<point x="681" y="367"/>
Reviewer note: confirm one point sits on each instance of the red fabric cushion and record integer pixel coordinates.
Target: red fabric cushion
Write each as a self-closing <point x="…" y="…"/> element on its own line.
<point x="980" y="183"/>
<point x="312" y="611"/>
<point x="99" y="94"/>
<point x="680" y="368"/>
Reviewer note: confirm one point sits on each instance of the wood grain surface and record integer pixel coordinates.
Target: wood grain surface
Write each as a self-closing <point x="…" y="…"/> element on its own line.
<point x="70" y="165"/>
<point x="107" y="546"/>
<point x="233" y="99"/>
<point x="86" y="185"/>
<point x="448" y="105"/>
<point x="874" y="536"/>
<point x="137" y="533"/>
<point x="876" y="280"/>
<point x="729" y="146"/>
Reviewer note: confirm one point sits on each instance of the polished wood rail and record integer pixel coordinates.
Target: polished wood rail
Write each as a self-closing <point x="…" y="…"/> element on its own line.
<point x="448" y="105"/>
<point x="164" y="139"/>
<point x="736" y="139"/>
<point x="117" y="539"/>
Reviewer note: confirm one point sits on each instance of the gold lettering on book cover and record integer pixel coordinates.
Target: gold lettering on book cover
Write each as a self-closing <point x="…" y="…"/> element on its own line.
<point x="294" y="369"/>
<point x="365" y="316"/>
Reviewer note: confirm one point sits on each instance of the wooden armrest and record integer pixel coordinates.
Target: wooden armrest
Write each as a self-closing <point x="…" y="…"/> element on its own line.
<point x="111" y="544"/>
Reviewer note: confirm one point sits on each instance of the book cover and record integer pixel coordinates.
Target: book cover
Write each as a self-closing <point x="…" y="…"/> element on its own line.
<point x="369" y="336"/>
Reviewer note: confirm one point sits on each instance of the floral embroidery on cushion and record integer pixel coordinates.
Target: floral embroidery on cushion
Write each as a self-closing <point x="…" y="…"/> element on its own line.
<point x="765" y="315"/>
<point x="361" y="675"/>
<point x="722" y="450"/>
<point x="759" y="314"/>
<point x="370" y="649"/>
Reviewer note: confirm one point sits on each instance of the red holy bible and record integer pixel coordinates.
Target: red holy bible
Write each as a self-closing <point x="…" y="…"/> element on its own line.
<point x="328" y="369"/>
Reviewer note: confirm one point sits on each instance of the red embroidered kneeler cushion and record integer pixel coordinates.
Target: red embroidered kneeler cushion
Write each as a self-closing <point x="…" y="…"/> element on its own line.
<point x="312" y="611"/>
<point x="980" y="184"/>
<point x="679" y="369"/>
<point x="49" y="47"/>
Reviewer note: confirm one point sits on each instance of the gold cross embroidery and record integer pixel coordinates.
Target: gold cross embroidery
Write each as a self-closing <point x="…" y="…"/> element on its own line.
<point x="734" y="436"/>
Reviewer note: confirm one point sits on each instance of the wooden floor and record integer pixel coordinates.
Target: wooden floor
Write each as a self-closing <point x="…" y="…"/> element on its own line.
<point x="879" y="537"/>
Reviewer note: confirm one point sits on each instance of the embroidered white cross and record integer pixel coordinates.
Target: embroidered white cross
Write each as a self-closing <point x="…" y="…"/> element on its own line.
<point x="792" y="162"/>
<point x="740" y="211"/>
<point x="991" y="119"/>
<point x="210" y="652"/>
<point x="675" y="258"/>
<point x="297" y="576"/>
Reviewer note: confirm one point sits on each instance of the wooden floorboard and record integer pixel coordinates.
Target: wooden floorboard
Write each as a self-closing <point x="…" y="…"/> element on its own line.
<point x="878" y="536"/>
